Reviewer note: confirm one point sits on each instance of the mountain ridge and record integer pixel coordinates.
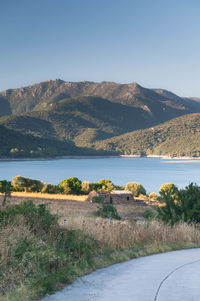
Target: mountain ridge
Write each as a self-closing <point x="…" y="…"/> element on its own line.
<point x="44" y="94"/>
<point x="87" y="113"/>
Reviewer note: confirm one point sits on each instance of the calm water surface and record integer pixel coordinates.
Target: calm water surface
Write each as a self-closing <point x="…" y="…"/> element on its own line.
<point x="150" y="172"/>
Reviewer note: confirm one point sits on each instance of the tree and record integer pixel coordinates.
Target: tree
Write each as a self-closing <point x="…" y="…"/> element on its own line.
<point x="106" y="184"/>
<point x="71" y="185"/>
<point x="86" y="187"/>
<point x="168" y="188"/>
<point x="184" y="205"/>
<point x="5" y="188"/>
<point x="135" y="188"/>
<point x="27" y="184"/>
<point x="49" y="188"/>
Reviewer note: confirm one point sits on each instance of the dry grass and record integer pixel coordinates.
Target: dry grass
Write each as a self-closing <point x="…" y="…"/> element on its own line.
<point x="126" y="234"/>
<point x="68" y="207"/>
<point x="79" y="198"/>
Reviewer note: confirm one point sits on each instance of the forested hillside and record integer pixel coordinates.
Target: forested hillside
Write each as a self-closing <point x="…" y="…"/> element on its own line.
<point x="177" y="137"/>
<point x="95" y="115"/>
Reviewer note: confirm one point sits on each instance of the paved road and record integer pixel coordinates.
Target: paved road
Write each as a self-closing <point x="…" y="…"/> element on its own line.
<point x="172" y="276"/>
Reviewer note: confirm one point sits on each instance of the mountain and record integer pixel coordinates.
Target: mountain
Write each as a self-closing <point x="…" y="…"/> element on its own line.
<point x="80" y="119"/>
<point x="88" y="114"/>
<point x="17" y="145"/>
<point x="42" y="95"/>
<point x="177" y="137"/>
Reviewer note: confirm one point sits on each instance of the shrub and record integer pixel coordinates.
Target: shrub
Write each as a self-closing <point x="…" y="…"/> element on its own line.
<point x="183" y="205"/>
<point x="135" y="188"/>
<point x="168" y="188"/>
<point x="71" y="185"/>
<point x="27" y="184"/>
<point x="154" y="196"/>
<point x="106" y="210"/>
<point x="98" y="199"/>
<point x="49" y="188"/>
<point x="150" y="214"/>
<point x="35" y="252"/>
<point x="5" y="188"/>
<point x="85" y="187"/>
<point x="106" y="185"/>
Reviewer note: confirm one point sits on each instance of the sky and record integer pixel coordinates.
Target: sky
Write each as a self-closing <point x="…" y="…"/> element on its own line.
<point x="155" y="43"/>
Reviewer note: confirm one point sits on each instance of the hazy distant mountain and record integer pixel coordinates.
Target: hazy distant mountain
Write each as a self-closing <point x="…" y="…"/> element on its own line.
<point x="177" y="137"/>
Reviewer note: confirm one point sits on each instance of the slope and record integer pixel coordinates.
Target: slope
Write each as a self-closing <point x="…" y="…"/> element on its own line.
<point x="177" y="137"/>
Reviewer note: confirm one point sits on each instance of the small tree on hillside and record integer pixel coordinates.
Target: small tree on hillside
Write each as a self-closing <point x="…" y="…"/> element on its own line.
<point x="135" y="188"/>
<point x="5" y="188"/>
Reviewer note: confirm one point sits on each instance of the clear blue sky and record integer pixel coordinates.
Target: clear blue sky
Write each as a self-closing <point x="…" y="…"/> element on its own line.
<point x="155" y="43"/>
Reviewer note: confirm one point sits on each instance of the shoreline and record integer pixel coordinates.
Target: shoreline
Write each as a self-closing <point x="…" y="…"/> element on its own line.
<point x="98" y="157"/>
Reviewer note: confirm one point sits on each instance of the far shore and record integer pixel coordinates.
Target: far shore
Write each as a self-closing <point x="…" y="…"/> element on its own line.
<point x="194" y="159"/>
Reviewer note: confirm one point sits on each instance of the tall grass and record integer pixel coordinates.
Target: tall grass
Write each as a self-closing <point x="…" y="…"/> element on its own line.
<point x="39" y="250"/>
<point x="126" y="234"/>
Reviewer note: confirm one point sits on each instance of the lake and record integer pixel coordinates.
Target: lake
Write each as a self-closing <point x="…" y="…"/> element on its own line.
<point x="150" y="172"/>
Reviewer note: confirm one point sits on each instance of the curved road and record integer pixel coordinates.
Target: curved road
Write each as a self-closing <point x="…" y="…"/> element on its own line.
<point x="172" y="276"/>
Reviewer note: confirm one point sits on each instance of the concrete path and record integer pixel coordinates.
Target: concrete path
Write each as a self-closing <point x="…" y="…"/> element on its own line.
<point x="172" y="276"/>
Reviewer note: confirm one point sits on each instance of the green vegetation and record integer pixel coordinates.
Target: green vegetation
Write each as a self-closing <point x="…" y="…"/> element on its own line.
<point x="105" y="210"/>
<point x="84" y="124"/>
<point x="180" y="205"/>
<point x="15" y="144"/>
<point x="177" y="137"/>
<point x="71" y="185"/>
<point x="36" y="254"/>
<point x="168" y="189"/>
<point x="5" y="188"/>
<point x="135" y="188"/>
<point x="27" y="184"/>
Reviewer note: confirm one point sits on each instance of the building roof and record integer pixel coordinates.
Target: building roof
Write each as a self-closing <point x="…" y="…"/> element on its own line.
<point x="121" y="192"/>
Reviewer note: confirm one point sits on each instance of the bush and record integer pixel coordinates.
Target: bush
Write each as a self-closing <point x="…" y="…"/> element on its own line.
<point x="98" y="199"/>
<point x="49" y="188"/>
<point x="154" y="196"/>
<point x="27" y="184"/>
<point x="150" y="214"/>
<point x="71" y="185"/>
<point x="85" y="187"/>
<point x="135" y="188"/>
<point x="5" y="188"/>
<point x="106" y="210"/>
<point x="37" y="253"/>
<point x="183" y="205"/>
<point x="168" y="188"/>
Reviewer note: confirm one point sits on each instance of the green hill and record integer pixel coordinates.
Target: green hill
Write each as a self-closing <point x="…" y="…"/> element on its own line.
<point x="94" y="115"/>
<point x="83" y="119"/>
<point x="177" y="137"/>
<point x="17" y="145"/>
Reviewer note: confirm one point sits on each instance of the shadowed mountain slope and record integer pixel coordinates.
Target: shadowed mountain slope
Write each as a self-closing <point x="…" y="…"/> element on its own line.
<point x="177" y="137"/>
<point x="17" y="145"/>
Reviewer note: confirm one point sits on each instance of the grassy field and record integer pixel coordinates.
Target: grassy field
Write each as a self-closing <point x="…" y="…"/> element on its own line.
<point x="71" y="206"/>
<point x="37" y="255"/>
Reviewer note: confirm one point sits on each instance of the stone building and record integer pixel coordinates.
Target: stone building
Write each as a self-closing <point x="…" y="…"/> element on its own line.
<point x="113" y="197"/>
